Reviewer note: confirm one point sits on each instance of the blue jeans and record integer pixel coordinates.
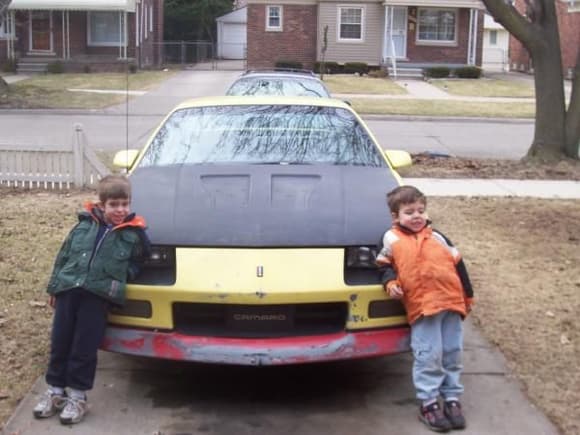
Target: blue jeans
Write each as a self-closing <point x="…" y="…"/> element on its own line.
<point x="437" y="344"/>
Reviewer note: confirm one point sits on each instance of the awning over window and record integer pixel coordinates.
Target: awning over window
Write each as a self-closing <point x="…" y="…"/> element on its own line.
<point x="471" y="4"/>
<point x="73" y="5"/>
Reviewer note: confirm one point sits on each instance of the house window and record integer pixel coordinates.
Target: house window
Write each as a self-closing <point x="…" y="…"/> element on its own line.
<point x="105" y="29"/>
<point x="493" y="37"/>
<point x="438" y="26"/>
<point x="274" y="18"/>
<point x="350" y="24"/>
<point x="3" y="26"/>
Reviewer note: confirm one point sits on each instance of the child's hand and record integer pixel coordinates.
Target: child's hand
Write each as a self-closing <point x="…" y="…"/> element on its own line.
<point x="394" y="290"/>
<point x="51" y="301"/>
<point x="468" y="304"/>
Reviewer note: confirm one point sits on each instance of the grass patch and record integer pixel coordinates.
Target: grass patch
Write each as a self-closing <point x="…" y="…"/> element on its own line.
<point x="486" y="87"/>
<point x="49" y="91"/>
<point x="442" y="108"/>
<point x="351" y="84"/>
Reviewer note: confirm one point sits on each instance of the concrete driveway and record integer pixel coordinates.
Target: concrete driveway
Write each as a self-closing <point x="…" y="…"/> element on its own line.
<point x="139" y="396"/>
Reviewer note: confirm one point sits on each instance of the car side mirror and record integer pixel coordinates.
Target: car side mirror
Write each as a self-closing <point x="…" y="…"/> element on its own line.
<point x="398" y="158"/>
<point x="125" y="159"/>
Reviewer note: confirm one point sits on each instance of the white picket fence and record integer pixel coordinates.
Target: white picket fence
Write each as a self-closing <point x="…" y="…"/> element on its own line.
<point x="51" y="167"/>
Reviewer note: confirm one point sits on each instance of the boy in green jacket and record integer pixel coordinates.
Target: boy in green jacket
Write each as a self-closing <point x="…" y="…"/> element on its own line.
<point x="90" y="273"/>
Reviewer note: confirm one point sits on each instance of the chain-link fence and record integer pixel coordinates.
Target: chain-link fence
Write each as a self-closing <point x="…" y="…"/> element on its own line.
<point x="204" y="54"/>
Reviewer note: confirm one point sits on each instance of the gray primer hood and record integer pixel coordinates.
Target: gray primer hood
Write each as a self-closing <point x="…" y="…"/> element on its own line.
<point x="263" y="205"/>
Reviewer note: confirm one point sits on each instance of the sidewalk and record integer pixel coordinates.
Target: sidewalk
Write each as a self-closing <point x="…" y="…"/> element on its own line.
<point x="548" y="189"/>
<point x="419" y="89"/>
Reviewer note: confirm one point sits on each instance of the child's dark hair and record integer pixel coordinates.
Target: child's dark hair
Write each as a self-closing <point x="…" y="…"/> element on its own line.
<point x="114" y="187"/>
<point x="404" y="195"/>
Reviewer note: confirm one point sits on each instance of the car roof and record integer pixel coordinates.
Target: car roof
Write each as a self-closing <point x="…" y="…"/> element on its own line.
<point x="280" y="72"/>
<point x="277" y="100"/>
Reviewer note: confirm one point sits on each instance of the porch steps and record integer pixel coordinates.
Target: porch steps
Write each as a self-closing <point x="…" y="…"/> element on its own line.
<point x="406" y="72"/>
<point x="33" y="65"/>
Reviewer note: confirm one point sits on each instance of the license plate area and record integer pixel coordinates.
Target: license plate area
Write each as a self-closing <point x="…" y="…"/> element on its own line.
<point x="259" y="318"/>
<point x="259" y="321"/>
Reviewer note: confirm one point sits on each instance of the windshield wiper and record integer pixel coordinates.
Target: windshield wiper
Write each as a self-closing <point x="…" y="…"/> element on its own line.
<point x="280" y="162"/>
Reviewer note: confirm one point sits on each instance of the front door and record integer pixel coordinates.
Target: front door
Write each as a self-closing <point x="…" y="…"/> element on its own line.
<point x="40" y="30"/>
<point x="398" y="33"/>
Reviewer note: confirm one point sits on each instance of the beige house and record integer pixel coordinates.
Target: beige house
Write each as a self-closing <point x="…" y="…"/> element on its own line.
<point x="394" y="33"/>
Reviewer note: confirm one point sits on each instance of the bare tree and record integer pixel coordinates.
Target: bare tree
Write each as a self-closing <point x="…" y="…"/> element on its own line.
<point x="557" y="130"/>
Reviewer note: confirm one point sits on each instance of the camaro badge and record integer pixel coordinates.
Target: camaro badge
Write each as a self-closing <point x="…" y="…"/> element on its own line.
<point x="260" y="271"/>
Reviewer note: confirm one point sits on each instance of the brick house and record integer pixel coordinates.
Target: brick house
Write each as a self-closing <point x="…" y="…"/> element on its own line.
<point x="84" y="35"/>
<point x="568" y="12"/>
<point x="406" y="33"/>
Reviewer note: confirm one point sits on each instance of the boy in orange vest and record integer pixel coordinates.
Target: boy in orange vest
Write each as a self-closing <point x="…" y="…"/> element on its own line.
<point x="422" y="267"/>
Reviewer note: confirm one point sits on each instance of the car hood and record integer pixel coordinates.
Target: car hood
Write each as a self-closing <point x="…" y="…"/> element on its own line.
<point x="263" y="205"/>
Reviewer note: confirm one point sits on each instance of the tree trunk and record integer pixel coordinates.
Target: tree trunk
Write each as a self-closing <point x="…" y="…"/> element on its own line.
<point x="549" y="134"/>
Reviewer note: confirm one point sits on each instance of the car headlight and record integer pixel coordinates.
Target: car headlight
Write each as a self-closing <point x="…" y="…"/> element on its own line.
<point x="159" y="268"/>
<point x="161" y="257"/>
<point x="361" y="257"/>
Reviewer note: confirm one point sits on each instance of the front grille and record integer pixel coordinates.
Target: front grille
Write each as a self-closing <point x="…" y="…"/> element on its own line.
<point x="259" y="321"/>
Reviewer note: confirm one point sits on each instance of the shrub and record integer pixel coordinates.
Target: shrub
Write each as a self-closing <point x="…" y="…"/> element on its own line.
<point x="87" y="69"/>
<point x="132" y="68"/>
<point x="437" y="72"/>
<point x="292" y="64"/>
<point x="329" y="67"/>
<point x="55" y="67"/>
<point x="468" y="72"/>
<point x="356" y="67"/>
<point x="378" y="73"/>
<point x="9" y="66"/>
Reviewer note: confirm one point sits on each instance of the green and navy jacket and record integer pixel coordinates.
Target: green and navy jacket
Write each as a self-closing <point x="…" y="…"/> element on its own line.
<point x="100" y="258"/>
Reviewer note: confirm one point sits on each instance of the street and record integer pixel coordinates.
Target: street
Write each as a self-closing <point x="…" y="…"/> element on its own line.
<point x="121" y="126"/>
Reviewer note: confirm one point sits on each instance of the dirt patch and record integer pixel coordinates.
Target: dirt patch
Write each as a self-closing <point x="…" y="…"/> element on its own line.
<point x="441" y="166"/>
<point x="523" y="256"/>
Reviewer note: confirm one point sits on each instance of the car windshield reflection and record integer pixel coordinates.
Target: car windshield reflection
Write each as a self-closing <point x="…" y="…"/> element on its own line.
<point x="263" y="134"/>
<point x="272" y="86"/>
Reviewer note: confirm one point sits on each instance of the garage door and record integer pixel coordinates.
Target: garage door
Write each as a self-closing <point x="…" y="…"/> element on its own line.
<point x="233" y="43"/>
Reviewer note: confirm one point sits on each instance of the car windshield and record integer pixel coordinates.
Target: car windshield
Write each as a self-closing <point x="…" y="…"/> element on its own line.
<point x="262" y="134"/>
<point x="278" y="86"/>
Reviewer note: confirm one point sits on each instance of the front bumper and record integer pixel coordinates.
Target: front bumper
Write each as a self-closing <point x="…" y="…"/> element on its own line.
<point x="270" y="351"/>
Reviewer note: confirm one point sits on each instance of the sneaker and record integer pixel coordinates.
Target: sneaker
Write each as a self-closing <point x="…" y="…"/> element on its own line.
<point x="74" y="411"/>
<point x="50" y="404"/>
<point x="433" y="417"/>
<point x="452" y="410"/>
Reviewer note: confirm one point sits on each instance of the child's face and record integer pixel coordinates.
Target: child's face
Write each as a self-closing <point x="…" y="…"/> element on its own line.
<point x="116" y="210"/>
<point x="412" y="216"/>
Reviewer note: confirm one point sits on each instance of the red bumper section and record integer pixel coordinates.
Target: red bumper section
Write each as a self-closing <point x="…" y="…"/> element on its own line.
<point x="263" y="351"/>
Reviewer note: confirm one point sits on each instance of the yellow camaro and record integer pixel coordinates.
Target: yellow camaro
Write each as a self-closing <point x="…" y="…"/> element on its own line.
<point x="264" y="214"/>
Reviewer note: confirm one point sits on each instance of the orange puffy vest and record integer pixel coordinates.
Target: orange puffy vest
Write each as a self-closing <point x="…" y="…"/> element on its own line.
<point x="425" y="266"/>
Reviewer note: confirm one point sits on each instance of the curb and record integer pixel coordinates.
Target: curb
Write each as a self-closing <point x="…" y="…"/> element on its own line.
<point x="366" y="116"/>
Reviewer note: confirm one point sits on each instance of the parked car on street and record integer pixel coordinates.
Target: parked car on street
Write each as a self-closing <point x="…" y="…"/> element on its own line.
<point x="265" y="214"/>
<point x="290" y="82"/>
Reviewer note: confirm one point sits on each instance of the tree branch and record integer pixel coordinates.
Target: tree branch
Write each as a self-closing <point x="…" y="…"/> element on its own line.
<point x="514" y="22"/>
